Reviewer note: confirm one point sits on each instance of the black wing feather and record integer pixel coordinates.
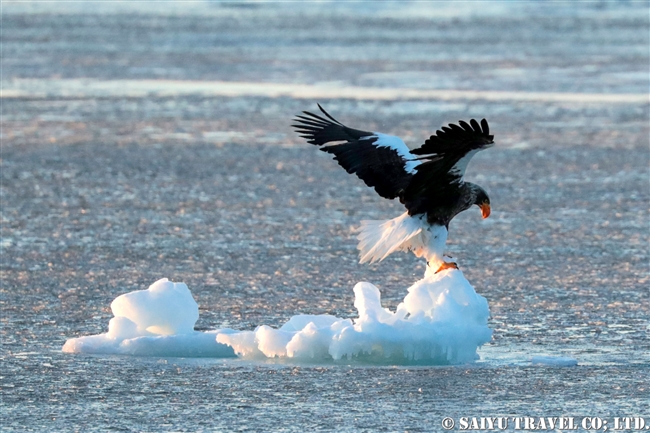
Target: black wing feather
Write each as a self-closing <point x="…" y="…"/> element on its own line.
<point x="457" y="140"/>
<point x="381" y="168"/>
<point x="328" y="115"/>
<point x="465" y="126"/>
<point x="486" y="128"/>
<point x="320" y="131"/>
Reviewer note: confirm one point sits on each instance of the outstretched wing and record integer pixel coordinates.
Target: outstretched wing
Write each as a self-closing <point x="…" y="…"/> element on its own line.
<point x="446" y="155"/>
<point x="382" y="161"/>
<point x="456" y="145"/>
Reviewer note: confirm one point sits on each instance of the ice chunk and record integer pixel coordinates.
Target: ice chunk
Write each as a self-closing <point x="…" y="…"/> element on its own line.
<point x="441" y="321"/>
<point x="165" y="308"/>
<point x="158" y="321"/>
<point x="558" y="361"/>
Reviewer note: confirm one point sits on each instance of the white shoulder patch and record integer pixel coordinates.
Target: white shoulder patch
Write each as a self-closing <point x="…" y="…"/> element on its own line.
<point x="398" y="145"/>
<point x="461" y="165"/>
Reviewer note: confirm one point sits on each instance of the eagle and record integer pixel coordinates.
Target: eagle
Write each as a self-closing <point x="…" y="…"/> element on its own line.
<point x="427" y="180"/>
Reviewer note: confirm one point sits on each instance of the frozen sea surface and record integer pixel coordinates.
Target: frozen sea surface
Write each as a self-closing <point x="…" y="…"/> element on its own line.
<point x="106" y="189"/>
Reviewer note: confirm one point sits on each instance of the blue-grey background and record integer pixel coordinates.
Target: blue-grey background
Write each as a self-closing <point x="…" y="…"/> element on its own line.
<point x="107" y="187"/>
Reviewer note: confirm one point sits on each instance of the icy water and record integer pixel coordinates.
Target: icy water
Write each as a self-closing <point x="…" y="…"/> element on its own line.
<point x="127" y="157"/>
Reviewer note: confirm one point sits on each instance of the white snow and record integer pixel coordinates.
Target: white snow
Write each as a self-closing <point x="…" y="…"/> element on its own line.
<point x="442" y="320"/>
<point x="557" y="361"/>
<point x="165" y="308"/>
<point x="158" y="321"/>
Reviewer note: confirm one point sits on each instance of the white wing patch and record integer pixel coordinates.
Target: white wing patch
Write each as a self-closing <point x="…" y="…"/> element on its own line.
<point x="398" y="145"/>
<point x="461" y="165"/>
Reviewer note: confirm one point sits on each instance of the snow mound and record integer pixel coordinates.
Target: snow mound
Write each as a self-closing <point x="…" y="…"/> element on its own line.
<point x="158" y="321"/>
<point x="556" y="361"/>
<point x="441" y="321"/>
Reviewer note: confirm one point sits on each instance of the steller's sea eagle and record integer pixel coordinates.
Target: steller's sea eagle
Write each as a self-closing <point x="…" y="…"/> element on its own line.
<point x="428" y="181"/>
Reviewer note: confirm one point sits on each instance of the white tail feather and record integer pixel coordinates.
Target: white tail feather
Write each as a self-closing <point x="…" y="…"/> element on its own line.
<point x="378" y="239"/>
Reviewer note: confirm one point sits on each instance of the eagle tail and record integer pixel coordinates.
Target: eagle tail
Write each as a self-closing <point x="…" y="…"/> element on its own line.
<point x="378" y="239"/>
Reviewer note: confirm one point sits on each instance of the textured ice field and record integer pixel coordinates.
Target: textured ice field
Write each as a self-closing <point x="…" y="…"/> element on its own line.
<point x="124" y="161"/>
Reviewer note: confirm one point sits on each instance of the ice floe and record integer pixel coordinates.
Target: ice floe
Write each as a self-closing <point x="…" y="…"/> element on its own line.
<point x="158" y="321"/>
<point x="556" y="361"/>
<point x="442" y="320"/>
